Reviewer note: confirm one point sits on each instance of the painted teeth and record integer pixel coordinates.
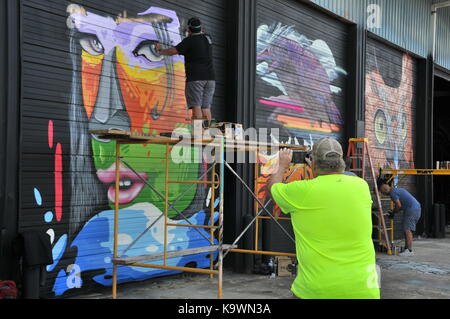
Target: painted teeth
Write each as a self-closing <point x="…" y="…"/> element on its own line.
<point x="289" y="141"/>
<point x="126" y="183"/>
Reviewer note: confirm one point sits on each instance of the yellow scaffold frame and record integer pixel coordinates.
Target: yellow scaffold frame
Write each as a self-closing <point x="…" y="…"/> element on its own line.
<point x="124" y="138"/>
<point x="408" y="172"/>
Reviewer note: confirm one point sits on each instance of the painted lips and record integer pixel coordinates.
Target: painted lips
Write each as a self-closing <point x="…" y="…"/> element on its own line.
<point x="130" y="185"/>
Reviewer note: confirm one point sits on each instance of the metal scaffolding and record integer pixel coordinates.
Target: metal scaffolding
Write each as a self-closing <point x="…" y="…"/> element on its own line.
<point x="402" y="173"/>
<point x="221" y="146"/>
<point x="260" y="208"/>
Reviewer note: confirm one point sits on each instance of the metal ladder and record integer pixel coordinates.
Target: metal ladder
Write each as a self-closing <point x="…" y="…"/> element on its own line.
<point x="383" y="238"/>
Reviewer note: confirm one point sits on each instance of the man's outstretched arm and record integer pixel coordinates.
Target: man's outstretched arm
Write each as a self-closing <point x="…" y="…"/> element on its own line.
<point x="169" y="52"/>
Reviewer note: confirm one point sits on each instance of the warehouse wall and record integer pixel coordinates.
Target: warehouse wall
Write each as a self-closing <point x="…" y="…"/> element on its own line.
<point x="406" y="23"/>
<point x="80" y="74"/>
<point x="442" y="38"/>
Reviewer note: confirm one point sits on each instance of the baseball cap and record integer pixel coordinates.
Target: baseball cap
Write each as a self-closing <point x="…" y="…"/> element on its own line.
<point x="326" y="148"/>
<point x="195" y="24"/>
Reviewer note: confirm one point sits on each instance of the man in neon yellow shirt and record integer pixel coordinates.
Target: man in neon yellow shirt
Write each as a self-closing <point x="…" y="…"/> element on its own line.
<point x="331" y="218"/>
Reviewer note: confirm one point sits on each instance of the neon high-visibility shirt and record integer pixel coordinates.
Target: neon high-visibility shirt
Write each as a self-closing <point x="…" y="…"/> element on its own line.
<point x="332" y="223"/>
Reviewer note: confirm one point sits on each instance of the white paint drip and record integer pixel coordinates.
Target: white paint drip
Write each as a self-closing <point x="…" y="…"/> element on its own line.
<point x="51" y="233"/>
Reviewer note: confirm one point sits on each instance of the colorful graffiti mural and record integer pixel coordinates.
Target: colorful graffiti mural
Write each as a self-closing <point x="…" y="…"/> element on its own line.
<point x="119" y="81"/>
<point x="390" y="109"/>
<point x="300" y="72"/>
<point x="296" y="93"/>
<point x="390" y="113"/>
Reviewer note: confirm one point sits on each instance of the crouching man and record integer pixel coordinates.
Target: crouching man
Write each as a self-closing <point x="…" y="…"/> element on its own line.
<point x="403" y="200"/>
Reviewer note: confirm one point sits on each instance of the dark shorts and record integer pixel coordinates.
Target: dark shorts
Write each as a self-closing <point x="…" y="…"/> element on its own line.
<point x="410" y="219"/>
<point x="200" y="93"/>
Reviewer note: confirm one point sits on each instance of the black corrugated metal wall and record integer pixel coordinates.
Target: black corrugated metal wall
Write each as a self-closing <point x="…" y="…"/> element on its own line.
<point x="9" y="133"/>
<point x="79" y="74"/>
<point x="241" y="58"/>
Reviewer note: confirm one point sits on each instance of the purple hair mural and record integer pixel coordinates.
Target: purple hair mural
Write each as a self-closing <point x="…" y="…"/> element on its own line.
<point x="303" y="71"/>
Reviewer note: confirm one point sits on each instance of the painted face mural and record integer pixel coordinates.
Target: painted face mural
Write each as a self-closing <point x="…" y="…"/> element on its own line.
<point x="389" y="108"/>
<point x="120" y="82"/>
<point x="299" y="73"/>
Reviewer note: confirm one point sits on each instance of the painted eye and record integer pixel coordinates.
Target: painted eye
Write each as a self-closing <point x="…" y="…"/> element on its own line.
<point x="403" y="126"/>
<point x="92" y="45"/>
<point x="380" y="127"/>
<point x="148" y="50"/>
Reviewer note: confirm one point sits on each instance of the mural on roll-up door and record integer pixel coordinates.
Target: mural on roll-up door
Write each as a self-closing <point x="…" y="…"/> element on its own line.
<point x="299" y="73"/>
<point x="119" y="81"/>
<point x="297" y="91"/>
<point x="390" y="106"/>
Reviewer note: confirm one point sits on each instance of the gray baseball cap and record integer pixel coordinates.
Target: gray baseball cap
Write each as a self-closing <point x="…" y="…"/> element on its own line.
<point x="327" y="148"/>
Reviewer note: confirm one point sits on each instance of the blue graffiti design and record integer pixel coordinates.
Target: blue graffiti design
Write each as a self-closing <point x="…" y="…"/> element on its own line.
<point x="95" y="241"/>
<point x="48" y="217"/>
<point x="37" y="197"/>
<point x="58" y="251"/>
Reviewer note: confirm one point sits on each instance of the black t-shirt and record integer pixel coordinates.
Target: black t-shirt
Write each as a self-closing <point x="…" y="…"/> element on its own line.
<point x="197" y="51"/>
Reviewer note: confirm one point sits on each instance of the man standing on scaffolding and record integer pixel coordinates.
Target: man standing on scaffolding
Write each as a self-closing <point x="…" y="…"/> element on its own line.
<point x="200" y="75"/>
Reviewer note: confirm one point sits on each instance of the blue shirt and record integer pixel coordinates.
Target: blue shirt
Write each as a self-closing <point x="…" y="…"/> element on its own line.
<point x="406" y="199"/>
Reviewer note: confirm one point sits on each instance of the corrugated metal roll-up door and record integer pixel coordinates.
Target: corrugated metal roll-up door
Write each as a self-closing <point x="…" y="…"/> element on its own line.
<point x="390" y="111"/>
<point x="301" y="68"/>
<point x="301" y="82"/>
<point x="81" y="73"/>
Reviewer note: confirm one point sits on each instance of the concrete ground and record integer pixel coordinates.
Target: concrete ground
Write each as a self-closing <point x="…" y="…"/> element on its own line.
<point x="426" y="275"/>
<point x="423" y="276"/>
